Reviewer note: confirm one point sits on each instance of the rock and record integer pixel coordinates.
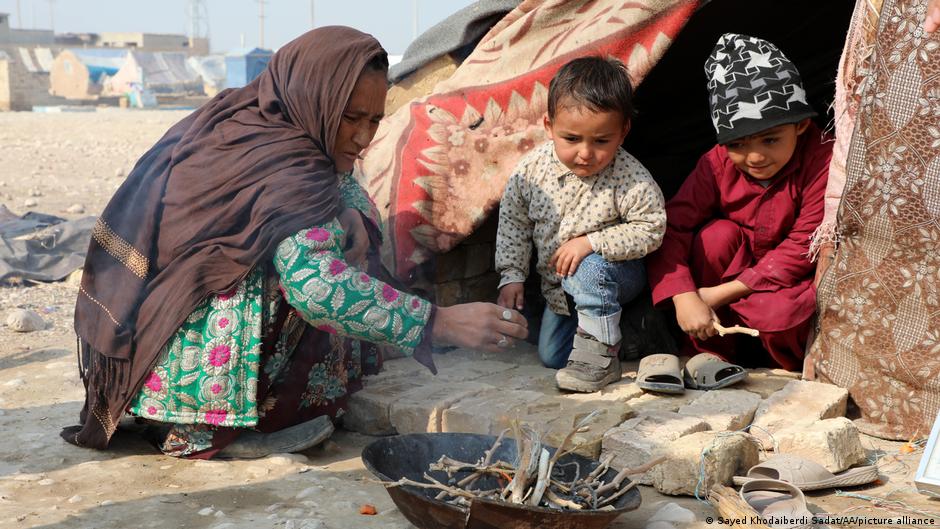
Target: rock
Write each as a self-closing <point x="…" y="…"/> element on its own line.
<point x="35" y="192"/>
<point x="206" y="511"/>
<point x="765" y="382"/>
<point x="293" y="513"/>
<point x="283" y="460"/>
<point x="489" y="412"/>
<point x="725" y="455"/>
<point x="15" y="383"/>
<point x="421" y="409"/>
<point x="560" y="422"/>
<point x="120" y="173"/>
<point x="833" y="443"/>
<point x="23" y="320"/>
<point x="368" y="411"/>
<point x="639" y="440"/>
<point x="75" y="209"/>
<point x="724" y="409"/>
<point x="219" y="514"/>
<point x="30" y="203"/>
<point x="800" y="403"/>
<point x="46" y="482"/>
<point x="75" y="499"/>
<point x="623" y="391"/>
<point x="672" y="512"/>
<point x="105" y="503"/>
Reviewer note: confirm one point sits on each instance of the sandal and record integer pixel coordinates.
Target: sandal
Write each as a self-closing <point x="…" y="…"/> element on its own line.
<point x="660" y="373"/>
<point x="708" y="371"/>
<point x="779" y="503"/>
<point x="805" y="474"/>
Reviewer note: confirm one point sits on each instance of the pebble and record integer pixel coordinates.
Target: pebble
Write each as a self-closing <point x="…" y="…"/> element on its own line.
<point x="219" y="514"/>
<point x="273" y="507"/>
<point x="120" y="173"/>
<point x="23" y="320"/>
<point x="30" y="203"/>
<point x="46" y="482"/>
<point x="75" y="499"/>
<point x="75" y="209"/>
<point x="35" y="193"/>
<point x="166" y="467"/>
<point x="15" y="383"/>
<point x="206" y="511"/>
<point x="105" y="503"/>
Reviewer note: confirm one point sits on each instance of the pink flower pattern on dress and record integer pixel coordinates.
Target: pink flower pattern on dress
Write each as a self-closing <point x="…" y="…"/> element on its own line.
<point x="219" y="355"/>
<point x="215" y="417"/>
<point x="337" y="267"/>
<point x="389" y="293"/>
<point x="318" y="234"/>
<point x="154" y="383"/>
<point x="223" y="323"/>
<point x="215" y="388"/>
<point x="151" y="410"/>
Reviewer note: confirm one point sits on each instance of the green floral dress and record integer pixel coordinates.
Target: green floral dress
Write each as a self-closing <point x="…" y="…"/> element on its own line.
<point x="209" y="372"/>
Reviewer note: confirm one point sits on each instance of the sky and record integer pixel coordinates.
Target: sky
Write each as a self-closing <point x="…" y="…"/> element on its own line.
<point x="390" y="21"/>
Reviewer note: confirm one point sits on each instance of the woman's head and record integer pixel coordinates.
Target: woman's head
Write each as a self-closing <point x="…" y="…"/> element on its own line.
<point x="318" y="75"/>
<point x="364" y="110"/>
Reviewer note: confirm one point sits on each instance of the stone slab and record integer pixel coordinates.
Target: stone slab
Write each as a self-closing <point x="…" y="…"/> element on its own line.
<point x="800" y="403"/>
<point x="765" y="382"/>
<point x="833" y="443"/>
<point x="650" y="402"/>
<point x="368" y="408"/>
<point x="489" y="412"/>
<point x="640" y="439"/>
<point x="421" y="409"/>
<point x="704" y="459"/>
<point x="724" y="409"/>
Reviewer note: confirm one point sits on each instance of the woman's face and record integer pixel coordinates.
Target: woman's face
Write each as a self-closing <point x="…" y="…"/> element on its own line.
<point x="365" y="109"/>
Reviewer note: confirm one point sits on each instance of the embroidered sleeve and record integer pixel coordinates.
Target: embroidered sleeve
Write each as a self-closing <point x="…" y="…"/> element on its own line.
<point x="354" y="196"/>
<point x="643" y="214"/>
<point x="337" y="298"/>
<point x="514" y="234"/>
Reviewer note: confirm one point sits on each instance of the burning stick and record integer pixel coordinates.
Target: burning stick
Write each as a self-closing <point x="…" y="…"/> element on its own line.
<point x="737" y="329"/>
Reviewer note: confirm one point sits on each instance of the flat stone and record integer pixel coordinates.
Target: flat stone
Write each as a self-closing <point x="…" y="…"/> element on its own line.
<point x="368" y="409"/>
<point x="421" y="409"/>
<point x="724" y="409"/>
<point x="624" y="390"/>
<point x="765" y="382"/>
<point x="489" y="412"/>
<point x="30" y="203"/>
<point x="650" y="402"/>
<point x="75" y="209"/>
<point x="23" y="320"/>
<point x="562" y="419"/>
<point x="833" y="443"/>
<point x="641" y="439"/>
<point x="524" y="377"/>
<point x="725" y="454"/>
<point x="800" y="403"/>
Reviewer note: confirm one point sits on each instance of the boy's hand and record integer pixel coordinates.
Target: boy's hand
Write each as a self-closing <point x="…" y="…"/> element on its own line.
<point x="932" y="20"/>
<point x="694" y="316"/>
<point x="723" y="294"/>
<point x="570" y="254"/>
<point x="511" y="296"/>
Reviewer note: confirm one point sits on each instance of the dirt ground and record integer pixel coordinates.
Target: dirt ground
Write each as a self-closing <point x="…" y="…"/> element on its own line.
<point x="55" y="161"/>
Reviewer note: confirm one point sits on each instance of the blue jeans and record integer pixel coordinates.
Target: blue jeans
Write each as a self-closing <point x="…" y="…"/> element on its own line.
<point x="599" y="289"/>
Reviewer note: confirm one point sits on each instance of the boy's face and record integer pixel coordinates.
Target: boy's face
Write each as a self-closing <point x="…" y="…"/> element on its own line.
<point x="585" y="141"/>
<point x="764" y="154"/>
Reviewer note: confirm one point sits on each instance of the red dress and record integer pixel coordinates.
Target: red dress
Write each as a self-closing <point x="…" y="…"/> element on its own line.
<point x="724" y="225"/>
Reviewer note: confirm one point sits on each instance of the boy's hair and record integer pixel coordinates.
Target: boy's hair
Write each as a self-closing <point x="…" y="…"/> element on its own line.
<point x="602" y="85"/>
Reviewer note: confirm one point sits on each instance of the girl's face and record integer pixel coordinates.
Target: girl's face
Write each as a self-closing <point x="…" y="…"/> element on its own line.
<point x="365" y="109"/>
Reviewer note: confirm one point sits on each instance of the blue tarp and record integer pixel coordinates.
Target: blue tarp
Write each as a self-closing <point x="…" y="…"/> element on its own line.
<point x="100" y="62"/>
<point x="243" y="65"/>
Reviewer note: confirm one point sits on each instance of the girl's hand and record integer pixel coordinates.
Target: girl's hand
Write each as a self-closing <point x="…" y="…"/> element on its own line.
<point x="569" y="256"/>
<point x="357" y="238"/>
<point x="694" y="316"/>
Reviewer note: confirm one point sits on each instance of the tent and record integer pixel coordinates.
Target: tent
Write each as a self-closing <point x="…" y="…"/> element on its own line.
<point x="211" y="68"/>
<point x="80" y="73"/>
<point x="243" y="65"/>
<point x="160" y="72"/>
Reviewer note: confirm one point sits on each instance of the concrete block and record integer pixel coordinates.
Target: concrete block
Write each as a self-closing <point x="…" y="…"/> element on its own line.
<point x="489" y="412"/>
<point x="724" y="455"/>
<point x="650" y="402"/>
<point x="623" y="391"/>
<point x="368" y="409"/>
<point x="766" y="382"/>
<point x="800" y="403"/>
<point x="561" y="420"/>
<point x="833" y="443"/>
<point x="640" y="439"/>
<point x="724" y="409"/>
<point x="421" y="409"/>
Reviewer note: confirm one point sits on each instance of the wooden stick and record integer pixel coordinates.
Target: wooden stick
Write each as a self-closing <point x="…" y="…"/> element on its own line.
<point x="614" y="496"/>
<point x="736" y="329"/>
<point x="622" y="475"/>
<point x="729" y="505"/>
<point x="561" y="502"/>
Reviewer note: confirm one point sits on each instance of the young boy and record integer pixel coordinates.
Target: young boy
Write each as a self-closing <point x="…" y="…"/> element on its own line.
<point x="739" y="227"/>
<point x="593" y="211"/>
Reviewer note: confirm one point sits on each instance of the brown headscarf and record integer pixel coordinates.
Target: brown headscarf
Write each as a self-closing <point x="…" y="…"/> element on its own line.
<point x="202" y="208"/>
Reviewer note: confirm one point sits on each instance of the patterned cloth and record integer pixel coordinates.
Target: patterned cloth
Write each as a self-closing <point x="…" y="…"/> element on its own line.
<point x="237" y="342"/>
<point x="438" y="165"/>
<point x="620" y="209"/>
<point x="879" y="303"/>
<point x="752" y="87"/>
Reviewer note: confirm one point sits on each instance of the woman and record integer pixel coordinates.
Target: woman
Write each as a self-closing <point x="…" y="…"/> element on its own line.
<point x="227" y="240"/>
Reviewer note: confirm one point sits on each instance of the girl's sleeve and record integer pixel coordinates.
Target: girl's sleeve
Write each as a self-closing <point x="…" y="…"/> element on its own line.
<point x="340" y="299"/>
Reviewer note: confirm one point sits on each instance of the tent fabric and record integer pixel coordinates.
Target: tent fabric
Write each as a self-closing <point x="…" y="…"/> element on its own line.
<point x="438" y="165"/>
<point x="40" y="247"/>
<point x="879" y="301"/>
<point x="44" y="59"/>
<point x="100" y="62"/>
<point x="463" y="28"/>
<point x="211" y="68"/>
<point x="27" y="60"/>
<point x="242" y="66"/>
<point x="160" y="72"/>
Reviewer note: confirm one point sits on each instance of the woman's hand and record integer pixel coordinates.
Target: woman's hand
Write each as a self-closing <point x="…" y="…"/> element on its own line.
<point x="695" y="317"/>
<point x="569" y="256"/>
<point x="511" y="296"/>
<point x="825" y="258"/>
<point x="932" y="20"/>
<point x="357" y="238"/>
<point x="482" y="326"/>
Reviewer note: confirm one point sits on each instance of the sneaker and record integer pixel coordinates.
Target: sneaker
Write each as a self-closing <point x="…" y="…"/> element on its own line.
<point x="591" y="366"/>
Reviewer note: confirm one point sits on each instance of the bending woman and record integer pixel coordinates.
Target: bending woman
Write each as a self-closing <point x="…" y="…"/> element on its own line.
<point x="217" y="300"/>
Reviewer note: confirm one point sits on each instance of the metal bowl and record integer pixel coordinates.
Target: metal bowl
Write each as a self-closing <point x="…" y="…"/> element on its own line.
<point x="392" y="458"/>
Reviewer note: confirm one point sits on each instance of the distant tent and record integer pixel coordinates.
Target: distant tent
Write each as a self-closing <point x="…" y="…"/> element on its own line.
<point x="80" y="73"/>
<point x="211" y="68"/>
<point x="160" y="73"/>
<point x="243" y="65"/>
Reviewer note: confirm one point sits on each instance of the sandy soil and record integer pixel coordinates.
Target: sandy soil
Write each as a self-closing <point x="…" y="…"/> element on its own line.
<point x="61" y="160"/>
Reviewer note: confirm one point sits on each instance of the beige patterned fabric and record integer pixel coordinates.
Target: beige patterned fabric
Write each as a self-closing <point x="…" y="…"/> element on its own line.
<point x="879" y="303"/>
<point x="620" y="209"/>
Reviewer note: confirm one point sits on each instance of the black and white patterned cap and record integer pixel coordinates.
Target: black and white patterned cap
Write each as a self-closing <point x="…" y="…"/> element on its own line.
<point x="752" y="87"/>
